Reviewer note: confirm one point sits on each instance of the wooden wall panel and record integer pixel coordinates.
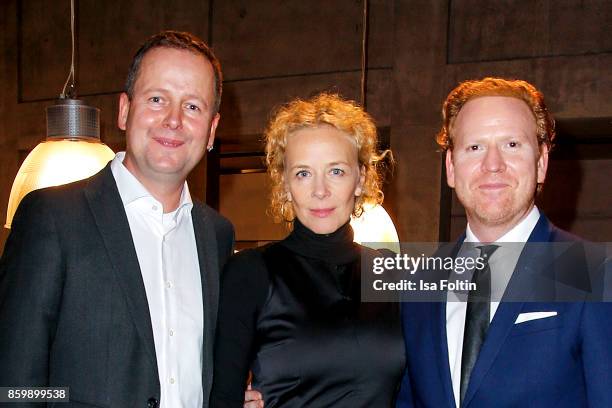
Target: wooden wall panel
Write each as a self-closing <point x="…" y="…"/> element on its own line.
<point x="275" y="38"/>
<point x="380" y="33"/>
<point x="503" y="30"/>
<point x="43" y="47"/>
<point x="573" y="87"/>
<point x="418" y="82"/>
<point x="116" y="29"/>
<point x="245" y="202"/>
<point x="271" y="38"/>
<point x="247" y="105"/>
<point x="577" y="195"/>
<point x="108" y="35"/>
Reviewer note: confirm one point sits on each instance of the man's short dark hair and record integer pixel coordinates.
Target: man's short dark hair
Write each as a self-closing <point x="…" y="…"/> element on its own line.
<point x="182" y="41"/>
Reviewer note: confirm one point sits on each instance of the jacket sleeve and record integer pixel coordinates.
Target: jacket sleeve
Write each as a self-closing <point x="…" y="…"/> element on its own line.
<point x="31" y="280"/>
<point x="244" y="290"/>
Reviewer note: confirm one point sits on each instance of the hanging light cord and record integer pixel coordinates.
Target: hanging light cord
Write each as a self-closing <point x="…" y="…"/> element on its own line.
<point x="71" y="78"/>
<point x="364" y="52"/>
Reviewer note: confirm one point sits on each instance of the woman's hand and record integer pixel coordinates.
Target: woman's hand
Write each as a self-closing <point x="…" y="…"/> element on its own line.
<point x="252" y="398"/>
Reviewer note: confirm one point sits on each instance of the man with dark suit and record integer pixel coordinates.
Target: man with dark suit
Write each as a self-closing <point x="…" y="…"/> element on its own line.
<point x="109" y="286"/>
<point x="485" y="353"/>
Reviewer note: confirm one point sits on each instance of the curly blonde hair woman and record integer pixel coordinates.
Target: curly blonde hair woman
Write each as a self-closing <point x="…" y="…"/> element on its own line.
<point x="324" y="109"/>
<point x="291" y="312"/>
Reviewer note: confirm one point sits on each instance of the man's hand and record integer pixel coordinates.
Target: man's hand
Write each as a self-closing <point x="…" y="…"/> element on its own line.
<point x="252" y="398"/>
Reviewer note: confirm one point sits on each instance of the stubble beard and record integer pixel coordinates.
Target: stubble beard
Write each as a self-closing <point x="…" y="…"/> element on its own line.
<point x="496" y="213"/>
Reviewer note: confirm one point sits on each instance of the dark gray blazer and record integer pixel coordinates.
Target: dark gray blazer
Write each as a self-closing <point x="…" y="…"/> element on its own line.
<point x="73" y="307"/>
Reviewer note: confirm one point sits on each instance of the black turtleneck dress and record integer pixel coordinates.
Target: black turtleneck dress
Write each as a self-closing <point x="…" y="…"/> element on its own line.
<point x="291" y="313"/>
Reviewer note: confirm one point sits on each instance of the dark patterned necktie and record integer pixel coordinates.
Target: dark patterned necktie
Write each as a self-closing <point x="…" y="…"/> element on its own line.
<point x="477" y="317"/>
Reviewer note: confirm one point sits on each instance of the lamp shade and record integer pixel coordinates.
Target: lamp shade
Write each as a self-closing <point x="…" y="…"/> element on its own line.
<point x="72" y="152"/>
<point x="375" y="229"/>
<point x="56" y="162"/>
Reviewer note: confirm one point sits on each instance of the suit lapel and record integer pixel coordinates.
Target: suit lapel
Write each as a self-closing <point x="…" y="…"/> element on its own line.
<point x="438" y="311"/>
<point x="506" y="313"/>
<point x="111" y="220"/>
<point x="496" y="335"/>
<point x="206" y="243"/>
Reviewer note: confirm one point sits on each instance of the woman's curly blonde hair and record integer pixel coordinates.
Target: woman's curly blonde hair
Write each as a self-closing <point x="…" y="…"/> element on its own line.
<point x="323" y="109"/>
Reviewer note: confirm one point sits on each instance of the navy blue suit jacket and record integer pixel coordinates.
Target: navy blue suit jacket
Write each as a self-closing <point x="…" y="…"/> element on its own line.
<point x="559" y="361"/>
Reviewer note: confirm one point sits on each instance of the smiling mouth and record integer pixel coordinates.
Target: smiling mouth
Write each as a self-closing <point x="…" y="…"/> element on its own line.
<point x="493" y="186"/>
<point x="168" y="142"/>
<point x="321" y="213"/>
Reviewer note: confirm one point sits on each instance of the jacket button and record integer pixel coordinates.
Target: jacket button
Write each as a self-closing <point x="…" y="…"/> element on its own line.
<point x="152" y="403"/>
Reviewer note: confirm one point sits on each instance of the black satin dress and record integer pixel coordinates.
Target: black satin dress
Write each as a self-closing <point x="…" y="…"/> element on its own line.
<point x="291" y="313"/>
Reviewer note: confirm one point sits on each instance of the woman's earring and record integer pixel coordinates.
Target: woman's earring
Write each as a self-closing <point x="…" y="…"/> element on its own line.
<point x="210" y="148"/>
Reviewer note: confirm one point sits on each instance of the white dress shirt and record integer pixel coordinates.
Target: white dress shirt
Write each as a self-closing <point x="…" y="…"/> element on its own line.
<point x="166" y="249"/>
<point x="502" y="264"/>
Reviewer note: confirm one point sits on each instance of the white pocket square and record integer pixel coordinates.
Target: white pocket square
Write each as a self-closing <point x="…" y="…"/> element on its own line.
<point x="525" y="317"/>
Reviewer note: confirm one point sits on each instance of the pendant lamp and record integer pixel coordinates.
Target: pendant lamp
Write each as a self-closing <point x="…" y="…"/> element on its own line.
<point x="374" y="228"/>
<point x="72" y="150"/>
